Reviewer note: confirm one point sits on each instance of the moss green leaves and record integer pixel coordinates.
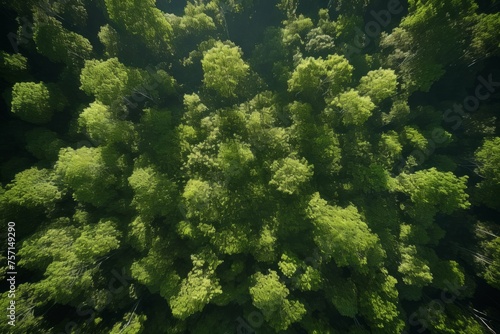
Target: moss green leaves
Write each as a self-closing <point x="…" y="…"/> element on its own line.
<point x="153" y="192"/>
<point x="33" y="189"/>
<point x="154" y="28"/>
<point x="269" y="295"/>
<point x="252" y="166"/>
<point x="488" y="160"/>
<point x="313" y="77"/>
<point x="234" y="159"/>
<point x="36" y="102"/>
<point x="342" y="235"/>
<point x="198" y="288"/>
<point x="99" y="124"/>
<point x="87" y="173"/>
<point x="224" y="69"/>
<point x="354" y="108"/>
<point x="69" y="257"/>
<point x="108" y="80"/>
<point x="59" y="44"/>
<point x="378" y="84"/>
<point x="290" y="174"/>
<point x="432" y="190"/>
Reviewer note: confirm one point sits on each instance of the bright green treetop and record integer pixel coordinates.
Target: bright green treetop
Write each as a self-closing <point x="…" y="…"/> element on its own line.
<point x="153" y="27"/>
<point x="33" y="188"/>
<point x="379" y="84"/>
<point x="87" y="173"/>
<point x="354" y="108"/>
<point x="36" y="102"/>
<point x="290" y="174"/>
<point x="269" y="295"/>
<point x="224" y="69"/>
<point x="342" y="235"/>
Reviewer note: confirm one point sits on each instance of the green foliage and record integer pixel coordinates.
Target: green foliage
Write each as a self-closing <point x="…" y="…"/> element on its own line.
<point x="131" y="324"/>
<point x="414" y="270"/>
<point x="378" y="85"/>
<point x="223" y="69"/>
<point x="108" y="80"/>
<point x="43" y="144"/>
<point x="313" y="77"/>
<point x="318" y="183"/>
<point x="13" y="67"/>
<point x="155" y="269"/>
<point x="25" y="303"/>
<point x="158" y="138"/>
<point x="378" y="302"/>
<point x="492" y="273"/>
<point x="341" y="235"/>
<point x="488" y="160"/>
<point x="69" y="256"/>
<point x="355" y="109"/>
<point x="434" y="191"/>
<point x="486" y="37"/>
<point x="153" y="27"/>
<point x="153" y="192"/>
<point x="290" y="174"/>
<point x="451" y="320"/>
<point x="99" y="123"/>
<point x="59" y="44"/>
<point x="234" y="159"/>
<point x="295" y="29"/>
<point x="110" y="38"/>
<point x="195" y="20"/>
<point x="343" y="294"/>
<point x="33" y="189"/>
<point x="197" y="198"/>
<point x="35" y="102"/>
<point x="87" y="173"/>
<point x="414" y="138"/>
<point x="269" y="295"/>
<point x="198" y="288"/>
<point x="390" y="147"/>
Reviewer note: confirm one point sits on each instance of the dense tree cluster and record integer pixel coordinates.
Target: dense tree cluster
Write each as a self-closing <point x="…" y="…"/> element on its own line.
<point x="241" y="166"/>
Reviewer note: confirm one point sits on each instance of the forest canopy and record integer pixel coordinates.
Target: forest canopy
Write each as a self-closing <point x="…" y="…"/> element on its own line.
<point x="251" y="166"/>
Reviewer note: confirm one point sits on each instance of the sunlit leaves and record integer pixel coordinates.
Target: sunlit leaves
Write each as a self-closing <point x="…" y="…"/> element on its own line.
<point x="415" y="271"/>
<point x="486" y="37"/>
<point x="35" y="102"/>
<point x="269" y="295"/>
<point x="153" y="192"/>
<point x="313" y="77"/>
<point x="69" y="257"/>
<point x="433" y="190"/>
<point x="355" y="109"/>
<point x="153" y="27"/>
<point x="488" y="160"/>
<point x="342" y="235"/>
<point x="131" y="324"/>
<point x="290" y="174"/>
<point x="223" y="69"/>
<point x="378" y="85"/>
<point x="198" y="288"/>
<point x="99" y="123"/>
<point x="86" y="172"/>
<point x="33" y="188"/>
<point x="234" y="159"/>
<point x="379" y="303"/>
<point x="110" y="38"/>
<point x="108" y="80"/>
